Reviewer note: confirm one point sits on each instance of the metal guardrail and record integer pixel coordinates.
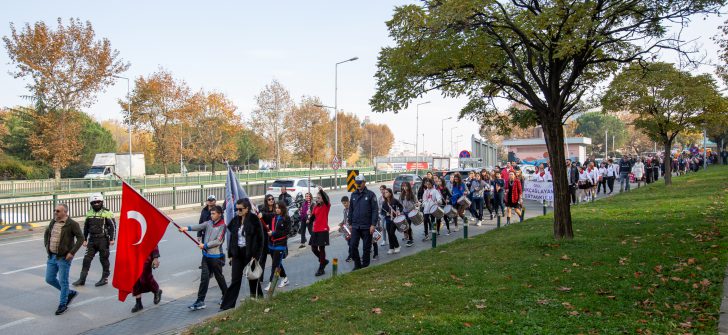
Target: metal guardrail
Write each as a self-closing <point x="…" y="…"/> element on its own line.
<point x="24" y="214"/>
<point x="15" y="188"/>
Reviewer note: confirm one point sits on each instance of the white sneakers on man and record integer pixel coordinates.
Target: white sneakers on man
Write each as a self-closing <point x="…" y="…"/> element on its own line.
<point x="283" y="283"/>
<point x="396" y="250"/>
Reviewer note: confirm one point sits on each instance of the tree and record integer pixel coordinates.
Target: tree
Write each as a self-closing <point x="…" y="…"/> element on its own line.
<point x="213" y="122"/>
<point x="545" y="55"/>
<point x="20" y="122"/>
<point x="308" y="129"/>
<point x="350" y="135"/>
<point x="157" y="103"/>
<point x="67" y="67"/>
<point x="667" y="102"/>
<point x="377" y="140"/>
<point x="250" y="145"/>
<point x="594" y="125"/>
<point x="274" y="105"/>
<point x="55" y="138"/>
<point x="95" y="139"/>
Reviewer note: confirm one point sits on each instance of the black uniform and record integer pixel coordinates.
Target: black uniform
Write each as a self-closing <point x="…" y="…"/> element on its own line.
<point x="98" y="229"/>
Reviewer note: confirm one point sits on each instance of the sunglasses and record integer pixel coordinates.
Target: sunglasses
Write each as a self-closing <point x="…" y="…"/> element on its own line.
<point x="239" y="209"/>
<point x="58" y="211"/>
<point x="270" y="199"/>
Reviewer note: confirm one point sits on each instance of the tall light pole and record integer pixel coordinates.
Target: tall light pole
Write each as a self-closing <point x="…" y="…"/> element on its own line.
<point x="442" y="137"/>
<point x="451" y="143"/>
<point x="417" y="138"/>
<point x="606" y="145"/>
<point x="128" y="107"/>
<point x="336" y="113"/>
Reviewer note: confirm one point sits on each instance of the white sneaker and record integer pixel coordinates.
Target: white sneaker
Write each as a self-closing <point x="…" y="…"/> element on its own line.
<point x="389" y="252"/>
<point x="396" y="250"/>
<point x="267" y="287"/>
<point x="383" y="243"/>
<point x="283" y="283"/>
<point x="479" y="223"/>
<point x="457" y="229"/>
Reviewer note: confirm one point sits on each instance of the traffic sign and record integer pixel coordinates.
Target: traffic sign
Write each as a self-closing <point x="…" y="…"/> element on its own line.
<point x="350" y="180"/>
<point x="464" y="154"/>
<point x="335" y="163"/>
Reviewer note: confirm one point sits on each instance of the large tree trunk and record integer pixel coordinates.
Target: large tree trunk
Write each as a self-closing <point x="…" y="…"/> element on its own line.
<point x="667" y="158"/>
<point x="213" y="167"/>
<point x="554" y="134"/>
<point x="57" y="176"/>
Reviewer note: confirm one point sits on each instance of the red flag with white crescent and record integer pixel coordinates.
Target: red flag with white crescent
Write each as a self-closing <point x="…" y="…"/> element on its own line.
<point x="141" y="227"/>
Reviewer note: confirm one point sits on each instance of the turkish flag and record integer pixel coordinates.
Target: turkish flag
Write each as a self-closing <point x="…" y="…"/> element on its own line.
<point x="141" y="227"/>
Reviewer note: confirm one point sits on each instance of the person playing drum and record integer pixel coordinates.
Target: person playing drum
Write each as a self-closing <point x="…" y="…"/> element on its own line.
<point x="441" y="187"/>
<point x="391" y="208"/>
<point x="458" y="190"/>
<point x="431" y="198"/>
<point x="409" y="203"/>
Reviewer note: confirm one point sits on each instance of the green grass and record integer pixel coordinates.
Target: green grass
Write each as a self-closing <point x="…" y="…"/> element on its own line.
<point x="649" y="261"/>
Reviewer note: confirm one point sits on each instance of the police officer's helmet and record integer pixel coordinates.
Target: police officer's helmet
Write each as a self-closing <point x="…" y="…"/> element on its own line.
<point x="96" y="197"/>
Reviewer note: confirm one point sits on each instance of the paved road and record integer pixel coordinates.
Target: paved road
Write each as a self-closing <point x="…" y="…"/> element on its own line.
<point x="27" y="303"/>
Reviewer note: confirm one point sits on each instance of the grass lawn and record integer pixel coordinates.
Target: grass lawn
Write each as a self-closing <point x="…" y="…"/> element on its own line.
<point x="651" y="261"/>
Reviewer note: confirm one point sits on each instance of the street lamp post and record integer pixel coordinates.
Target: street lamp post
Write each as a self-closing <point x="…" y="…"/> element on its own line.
<point x="442" y="137"/>
<point x="128" y="107"/>
<point x="451" y="143"/>
<point x="417" y="137"/>
<point x="336" y="112"/>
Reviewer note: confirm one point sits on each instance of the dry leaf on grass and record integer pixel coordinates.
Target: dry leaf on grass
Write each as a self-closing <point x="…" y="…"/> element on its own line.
<point x="467" y="324"/>
<point x="314" y="298"/>
<point x="563" y="289"/>
<point x="565" y="257"/>
<point x="407" y="284"/>
<point x="266" y="310"/>
<point x="480" y="306"/>
<point x="377" y="310"/>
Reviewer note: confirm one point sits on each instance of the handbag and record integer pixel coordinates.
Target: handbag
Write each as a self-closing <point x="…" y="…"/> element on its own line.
<point x="253" y="270"/>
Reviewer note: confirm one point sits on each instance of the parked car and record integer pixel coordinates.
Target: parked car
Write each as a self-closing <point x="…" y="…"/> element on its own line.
<point x="294" y="187"/>
<point x="414" y="180"/>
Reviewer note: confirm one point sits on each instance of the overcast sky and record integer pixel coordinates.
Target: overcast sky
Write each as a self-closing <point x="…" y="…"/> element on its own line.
<point x="237" y="47"/>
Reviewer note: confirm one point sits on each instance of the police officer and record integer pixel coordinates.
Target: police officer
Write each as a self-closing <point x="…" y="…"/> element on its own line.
<point x="99" y="230"/>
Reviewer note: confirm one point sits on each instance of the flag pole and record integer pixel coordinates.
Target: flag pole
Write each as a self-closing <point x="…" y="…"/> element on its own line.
<point x="165" y="215"/>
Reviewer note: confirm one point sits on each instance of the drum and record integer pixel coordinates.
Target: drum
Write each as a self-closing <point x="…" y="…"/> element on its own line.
<point x="450" y="211"/>
<point x="401" y="223"/>
<point x="439" y="213"/>
<point x="344" y="230"/>
<point x="376" y="236"/>
<point x="464" y="201"/>
<point x="416" y="217"/>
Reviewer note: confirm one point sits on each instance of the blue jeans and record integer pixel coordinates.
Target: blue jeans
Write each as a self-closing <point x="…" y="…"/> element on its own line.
<point x="476" y="208"/>
<point x="623" y="179"/>
<point x="57" y="270"/>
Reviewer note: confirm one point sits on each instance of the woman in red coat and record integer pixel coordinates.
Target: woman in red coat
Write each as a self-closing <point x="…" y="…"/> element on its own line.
<point x="514" y="191"/>
<point x="320" y="236"/>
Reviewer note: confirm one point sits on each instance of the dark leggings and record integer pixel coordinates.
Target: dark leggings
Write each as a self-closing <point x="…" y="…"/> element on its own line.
<point x="498" y="202"/>
<point x="277" y="261"/>
<point x="391" y="231"/>
<point x="320" y="252"/>
<point x="488" y="199"/>
<point x="447" y="223"/>
<point x="429" y="221"/>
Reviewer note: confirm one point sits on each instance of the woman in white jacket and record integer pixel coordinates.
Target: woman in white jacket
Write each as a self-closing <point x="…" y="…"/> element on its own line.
<point x="638" y="170"/>
<point x="431" y="199"/>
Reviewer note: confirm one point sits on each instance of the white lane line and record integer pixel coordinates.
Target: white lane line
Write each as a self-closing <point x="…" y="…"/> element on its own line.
<point x="182" y="273"/>
<point x="23" y="241"/>
<point x="16" y="322"/>
<point x="24" y="269"/>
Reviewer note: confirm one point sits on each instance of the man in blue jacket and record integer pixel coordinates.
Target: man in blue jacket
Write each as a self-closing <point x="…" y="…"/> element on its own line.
<point x="363" y="210"/>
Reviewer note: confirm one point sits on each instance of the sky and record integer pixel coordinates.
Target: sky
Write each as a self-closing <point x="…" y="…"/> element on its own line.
<point x="237" y="47"/>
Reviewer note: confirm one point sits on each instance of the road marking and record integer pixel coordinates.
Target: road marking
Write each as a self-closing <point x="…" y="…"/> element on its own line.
<point x="16" y="322"/>
<point x="182" y="273"/>
<point x="16" y="242"/>
<point x="24" y="269"/>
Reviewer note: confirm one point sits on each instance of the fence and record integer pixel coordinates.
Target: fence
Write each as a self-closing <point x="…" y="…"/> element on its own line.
<point x="26" y="213"/>
<point x="75" y="185"/>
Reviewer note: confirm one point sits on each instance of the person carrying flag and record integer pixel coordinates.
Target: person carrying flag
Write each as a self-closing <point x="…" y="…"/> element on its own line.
<point x="212" y="254"/>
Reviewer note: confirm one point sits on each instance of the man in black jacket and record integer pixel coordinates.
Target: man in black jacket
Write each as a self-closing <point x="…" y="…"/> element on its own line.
<point x="572" y="176"/>
<point x="625" y="167"/>
<point x="363" y="216"/>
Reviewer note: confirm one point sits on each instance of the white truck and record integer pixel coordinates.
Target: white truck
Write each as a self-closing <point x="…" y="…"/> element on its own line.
<point x="106" y="164"/>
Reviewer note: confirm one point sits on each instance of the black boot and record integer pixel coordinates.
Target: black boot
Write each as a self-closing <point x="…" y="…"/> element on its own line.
<point x="320" y="271"/>
<point x="103" y="281"/>
<point x="81" y="280"/>
<point x="157" y="297"/>
<point x="138" y="306"/>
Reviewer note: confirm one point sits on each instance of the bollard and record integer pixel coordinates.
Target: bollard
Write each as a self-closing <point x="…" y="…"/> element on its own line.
<point x="274" y="283"/>
<point x="465" y="231"/>
<point x="544" y="207"/>
<point x="433" y="235"/>
<point x="498" y="221"/>
<point x="334" y="267"/>
<point x="523" y="213"/>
